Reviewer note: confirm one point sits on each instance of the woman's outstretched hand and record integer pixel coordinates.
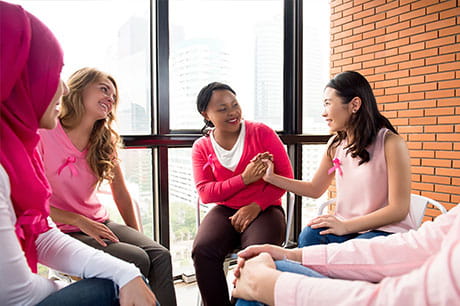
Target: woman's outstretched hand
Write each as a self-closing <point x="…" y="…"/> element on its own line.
<point x="136" y="293"/>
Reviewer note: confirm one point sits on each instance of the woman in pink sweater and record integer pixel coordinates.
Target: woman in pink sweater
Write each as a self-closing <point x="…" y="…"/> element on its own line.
<point x="228" y="170"/>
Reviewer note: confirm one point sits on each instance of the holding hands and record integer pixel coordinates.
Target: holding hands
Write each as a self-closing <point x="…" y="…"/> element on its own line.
<point x="255" y="170"/>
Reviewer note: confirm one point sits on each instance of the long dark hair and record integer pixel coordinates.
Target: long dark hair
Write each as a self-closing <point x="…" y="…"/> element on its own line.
<point x="203" y="98"/>
<point x="366" y="122"/>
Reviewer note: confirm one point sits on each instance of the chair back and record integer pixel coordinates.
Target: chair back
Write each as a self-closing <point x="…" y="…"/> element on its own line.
<point x="418" y="205"/>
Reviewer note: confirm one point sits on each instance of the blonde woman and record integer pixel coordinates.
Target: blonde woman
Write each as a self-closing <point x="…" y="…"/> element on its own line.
<point x="81" y="153"/>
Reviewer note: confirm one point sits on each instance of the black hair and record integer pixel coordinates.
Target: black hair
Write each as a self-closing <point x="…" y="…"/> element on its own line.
<point x="366" y="122"/>
<point x="203" y="98"/>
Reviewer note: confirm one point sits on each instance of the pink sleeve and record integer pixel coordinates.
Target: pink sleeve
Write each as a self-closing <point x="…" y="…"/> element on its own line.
<point x="274" y="145"/>
<point x="374" y="259"/>
<point x="436" y="282"/>
<point x="209" y="189"/>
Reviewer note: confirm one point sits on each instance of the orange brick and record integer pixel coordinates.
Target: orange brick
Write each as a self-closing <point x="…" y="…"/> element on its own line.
<point x="436" y="179"/>
<point x="386" y="68"/>
<point x="414" y="145"/>
<point x="410" y="129"/>
<point x="375" y="33"/>
<point x="415" y="162"/>
<point x="423" y="70"/>
<point x="449" y="13"/>
<point x="437" y="146"/>
<point x="424" y="53"/>
<point x="423" y="87"/>
<point x="439" y="94"/>
<point x="386" y="22"/>
<point x="413" y="63"/>
<point x="401" y="27"/>
<point x="336" y="16"/>
<point x="440" y="111"/>
<point x="421" y="137"/>
<point x="374" y="77"/>
<point x="449" y="31"/>
<point x="423" y="120"/>
<point x="387" y="37"/>
<point x="343" y="34"/>
<point x="412" y="47"/>
<point x="353" y="10"/>
<point x="448" y="119"/>
<point x="395" y="90"/>
<point x="456" y="181"/>
<point x="374" y="48"/>
<point x="448" y="172"/>
<point x="379" y="92"/>
<point x="415" y="177"/>
<point x="440" y="59"/>
<point x="447" y="189"/>
<point x="410" y="80"/>
<point x="420" y="104"/>
<point x="364" y="28"/>
<point x="421" y="153"/>
<point x="440" y="24"/>
<point x="396" y="10"/>
<point x="448" y="137"/>
<point x="364" y="43"/>
<point x="397" y="42"/>
<point x="423" y="186"/>
<point x="344" y="6"/>
<point x="424" y="20"/>
<point x="411" y="113"/>
<point x="397" y="59"/>
<point x="421" y="3"/>
<point x="449" y="84"/>
<point x="352" y="39"/>
<point x="440" y="42"/>
<point x="409" y="31"/>
<point x="412" y="14"/>
<point x="342" y="21"/>
<point x="448" y="154"/>
<point x="373" y="63"/>
<point x="352" y="25"/>
<point x="387" y="98"/>
<point x="390" y="114"/>
<point x="373" y="3"/>
<point x="373" y="18"/>
<point x="399" y="121"/>
<point x="437" y="162"/>
<point x="395" y="106"/>
<point x="449" y="67"/>
<point x="423" y="37"/>
<point x="455" y="101"/>
<point x="423" y="170"/>
<point x="441" y="7"/>
<point x="343" y="48"/>
<point x="449" y="49"/>
<point x="439" y="129"/>
<point x="387" y="83"/>
<point x="440" y="76"/>
<point x="356" y="66"/>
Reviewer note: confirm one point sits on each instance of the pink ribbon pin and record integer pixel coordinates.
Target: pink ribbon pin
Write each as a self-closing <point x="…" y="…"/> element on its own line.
<point x="69" y="162"/>
<point x="336" y="166"/>
<point x="209" y="163"/>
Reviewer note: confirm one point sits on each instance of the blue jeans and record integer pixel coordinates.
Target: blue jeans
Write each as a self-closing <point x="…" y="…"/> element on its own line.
<point x="85" y="292"/>
<point x="310" y="236"/>
<point x="285" y="266"/>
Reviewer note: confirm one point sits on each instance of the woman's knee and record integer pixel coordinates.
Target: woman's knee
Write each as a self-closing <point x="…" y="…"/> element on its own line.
<point x="310" y="236"/>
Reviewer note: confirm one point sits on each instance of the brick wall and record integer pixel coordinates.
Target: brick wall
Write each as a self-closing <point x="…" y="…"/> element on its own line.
<point x="409" y="50"/>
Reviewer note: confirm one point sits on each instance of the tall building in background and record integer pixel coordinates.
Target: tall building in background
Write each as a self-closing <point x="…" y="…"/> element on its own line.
<point x="269" y="74"/>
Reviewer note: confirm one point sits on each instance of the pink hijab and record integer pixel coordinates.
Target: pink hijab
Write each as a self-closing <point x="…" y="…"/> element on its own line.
<point x="30" y="65"/>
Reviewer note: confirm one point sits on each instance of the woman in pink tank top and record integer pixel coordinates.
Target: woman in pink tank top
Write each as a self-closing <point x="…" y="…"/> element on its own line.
<point x="370" y="162"/>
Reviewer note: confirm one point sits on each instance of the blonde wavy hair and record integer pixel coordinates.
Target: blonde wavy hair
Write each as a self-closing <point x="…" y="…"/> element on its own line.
<point x="104" y="141"/>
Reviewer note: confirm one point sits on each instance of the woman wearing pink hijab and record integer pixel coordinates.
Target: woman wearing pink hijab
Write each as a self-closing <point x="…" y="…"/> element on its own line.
<point x="30" y="90"/>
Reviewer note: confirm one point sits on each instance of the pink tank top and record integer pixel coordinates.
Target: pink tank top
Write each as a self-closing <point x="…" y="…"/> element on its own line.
<point x="362" y="189"/>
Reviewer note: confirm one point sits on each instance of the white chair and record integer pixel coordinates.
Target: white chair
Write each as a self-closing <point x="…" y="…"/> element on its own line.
<point x="418" y="205"/>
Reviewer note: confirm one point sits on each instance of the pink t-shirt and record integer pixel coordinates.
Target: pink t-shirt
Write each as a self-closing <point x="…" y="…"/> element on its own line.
<point x="71" y="179"/>
<point x="362" y="189"/>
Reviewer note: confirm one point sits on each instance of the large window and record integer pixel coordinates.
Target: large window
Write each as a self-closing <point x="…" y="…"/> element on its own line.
<point x="110" y="35"/>
<point x="316" y="52"/>
<point x="229" y="41"/>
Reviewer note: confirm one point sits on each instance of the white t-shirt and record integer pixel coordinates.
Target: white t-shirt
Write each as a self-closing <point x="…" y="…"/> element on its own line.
<point x="19" y="286"/>
<point x="230" y="158"/>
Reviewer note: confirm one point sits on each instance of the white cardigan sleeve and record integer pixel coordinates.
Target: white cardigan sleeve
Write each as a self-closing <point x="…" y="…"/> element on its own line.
<point x="55" y="249"/>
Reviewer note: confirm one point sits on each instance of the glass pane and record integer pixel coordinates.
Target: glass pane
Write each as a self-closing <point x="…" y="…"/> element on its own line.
<point x="316" y="50"/>
<point x="311" y="158"/>
<point x="136" y="165"/>
<point x="182" y="210"/>
<point x="232" y="42"/>
<point x="110" y="35"/>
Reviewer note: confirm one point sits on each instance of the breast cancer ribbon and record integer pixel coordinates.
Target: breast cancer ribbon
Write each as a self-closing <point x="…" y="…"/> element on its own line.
<point x="209" y="163"/>
<point x="69" y="162"/>
<point x="336" y="166"/>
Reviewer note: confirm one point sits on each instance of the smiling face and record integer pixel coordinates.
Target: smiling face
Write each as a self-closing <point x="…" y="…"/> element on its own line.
<point x="224" y="111"/>
<point x="336" y="113"/>
<point x="49" y="117"/>
<point x="99" y="98"/>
